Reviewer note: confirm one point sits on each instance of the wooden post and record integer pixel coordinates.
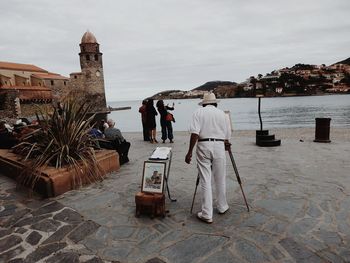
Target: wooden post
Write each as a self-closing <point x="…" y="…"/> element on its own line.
<point x="259" y="104"/>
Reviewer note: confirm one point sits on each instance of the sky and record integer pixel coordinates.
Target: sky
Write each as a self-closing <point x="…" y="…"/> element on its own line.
<point x="150" y="46"/>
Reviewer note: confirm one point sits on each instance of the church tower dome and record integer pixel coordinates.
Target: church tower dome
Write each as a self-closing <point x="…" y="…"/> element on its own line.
<point x="88" y="37"/>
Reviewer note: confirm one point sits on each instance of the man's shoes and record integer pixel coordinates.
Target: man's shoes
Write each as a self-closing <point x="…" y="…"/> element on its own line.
<point x="223" y="212"/>
<point x="171" y="141"/>
<point x="163" y="141"/>
<point x="205" y="220"/>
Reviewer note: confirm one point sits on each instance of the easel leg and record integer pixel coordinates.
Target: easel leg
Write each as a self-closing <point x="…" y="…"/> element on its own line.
<point x="167" y="188"/>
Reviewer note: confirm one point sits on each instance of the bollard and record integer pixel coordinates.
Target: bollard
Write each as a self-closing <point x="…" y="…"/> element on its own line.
<point x="322" y="130"/>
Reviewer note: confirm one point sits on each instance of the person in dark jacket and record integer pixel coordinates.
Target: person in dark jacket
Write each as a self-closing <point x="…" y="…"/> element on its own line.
<point x="7" y="138"/>
<point x="119" y="143"/>
<point x="151" y="121"/>
<point x="143" y="112"/>
<point x="167" y="128"/>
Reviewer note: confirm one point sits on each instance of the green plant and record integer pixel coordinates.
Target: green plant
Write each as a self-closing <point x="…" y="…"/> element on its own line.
<point x="62" y="141"/>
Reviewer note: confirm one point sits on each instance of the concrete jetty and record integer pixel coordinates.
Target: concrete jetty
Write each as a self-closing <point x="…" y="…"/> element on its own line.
<point x="299" y="195"/>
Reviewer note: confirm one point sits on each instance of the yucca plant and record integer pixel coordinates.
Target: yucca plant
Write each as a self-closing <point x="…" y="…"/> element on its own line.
<point x="62" y="141"/>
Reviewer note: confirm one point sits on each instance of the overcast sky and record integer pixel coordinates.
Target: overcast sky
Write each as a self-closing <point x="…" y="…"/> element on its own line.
<point x="154" y="45"/>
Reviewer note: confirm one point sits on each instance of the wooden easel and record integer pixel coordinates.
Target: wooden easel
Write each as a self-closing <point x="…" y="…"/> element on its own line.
<point x="166" y="175"/>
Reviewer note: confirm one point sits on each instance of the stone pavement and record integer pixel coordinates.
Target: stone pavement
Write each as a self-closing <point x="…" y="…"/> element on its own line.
<point x="299" y="195"/>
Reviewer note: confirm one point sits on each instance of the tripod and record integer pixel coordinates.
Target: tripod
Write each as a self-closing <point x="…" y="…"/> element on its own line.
<point x="238" y="180"/>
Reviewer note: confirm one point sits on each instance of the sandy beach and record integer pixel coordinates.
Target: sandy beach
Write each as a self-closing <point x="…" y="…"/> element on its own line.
<point x="298" y="194"/>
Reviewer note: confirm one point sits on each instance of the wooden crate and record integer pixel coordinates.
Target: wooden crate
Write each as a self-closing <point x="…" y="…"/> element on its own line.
<point x="151" y="204"/>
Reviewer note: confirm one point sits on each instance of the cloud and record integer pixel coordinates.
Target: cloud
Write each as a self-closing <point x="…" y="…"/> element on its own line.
<point x="150" y="46"/>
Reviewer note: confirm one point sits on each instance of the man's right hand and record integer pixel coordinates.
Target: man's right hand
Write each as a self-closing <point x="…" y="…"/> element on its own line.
<point x="188" y="157"/>
<point x="227" y="146"/>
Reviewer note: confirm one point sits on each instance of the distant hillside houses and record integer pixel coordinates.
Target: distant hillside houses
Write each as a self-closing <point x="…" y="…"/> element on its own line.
<point x="300" y="79"/>
<point x="195" y="93"/>
<point x="222" y="89"/>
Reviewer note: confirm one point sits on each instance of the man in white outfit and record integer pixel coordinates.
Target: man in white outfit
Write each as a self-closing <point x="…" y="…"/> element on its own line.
<point x="211" y="128"/>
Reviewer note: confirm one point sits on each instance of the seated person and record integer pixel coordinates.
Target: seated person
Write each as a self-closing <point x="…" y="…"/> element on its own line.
<point x="102" y="126"/>
<point x="118" y="142"/>
<point x="7" y="138"/>
<point x="96" y="133"/>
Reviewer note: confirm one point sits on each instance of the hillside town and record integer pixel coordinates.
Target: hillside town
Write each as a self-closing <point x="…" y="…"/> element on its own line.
<point x="301" y="79"/>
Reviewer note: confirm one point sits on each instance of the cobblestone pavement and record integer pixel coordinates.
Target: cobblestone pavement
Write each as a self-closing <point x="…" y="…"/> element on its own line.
<point x="37" y="230"/>
<point x="298" y="193"/>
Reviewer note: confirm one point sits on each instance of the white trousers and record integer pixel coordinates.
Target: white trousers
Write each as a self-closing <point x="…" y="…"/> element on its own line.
<point x="211" y="161"/>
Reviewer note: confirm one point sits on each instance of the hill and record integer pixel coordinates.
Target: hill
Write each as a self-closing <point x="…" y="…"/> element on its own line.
<point x="212" y="85"/>
<point x="167" y="94"/>
<point x="345" y="61"/>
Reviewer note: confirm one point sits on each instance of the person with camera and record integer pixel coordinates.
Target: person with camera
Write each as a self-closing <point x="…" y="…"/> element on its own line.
<point x="165" y="120"/>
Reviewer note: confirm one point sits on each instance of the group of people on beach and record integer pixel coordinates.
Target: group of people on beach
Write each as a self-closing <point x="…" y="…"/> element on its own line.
<point x="148" y="117"/>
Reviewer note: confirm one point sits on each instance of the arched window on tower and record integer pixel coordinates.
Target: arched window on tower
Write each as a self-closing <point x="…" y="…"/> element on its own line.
<point x="87" y="57"/>
<point x="96" y="57"/>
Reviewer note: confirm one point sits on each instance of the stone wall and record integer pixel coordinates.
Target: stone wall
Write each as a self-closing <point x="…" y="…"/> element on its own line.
<point x="36" y="81"/>
<point x="29" y="109"/>
<point x="17" y="76"/>
<point x="76" y="81"/>
<point x="59" y="87"/>
<point x="10" y="108"/>
<point x="8" y="104"/>
<point x="94" y="85"/>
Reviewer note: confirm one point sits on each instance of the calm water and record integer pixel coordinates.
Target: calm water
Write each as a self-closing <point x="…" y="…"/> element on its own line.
<point x="285" y="112"/>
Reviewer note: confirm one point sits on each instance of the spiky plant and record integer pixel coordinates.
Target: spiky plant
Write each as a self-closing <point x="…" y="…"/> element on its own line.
<point x="62" y="141"/>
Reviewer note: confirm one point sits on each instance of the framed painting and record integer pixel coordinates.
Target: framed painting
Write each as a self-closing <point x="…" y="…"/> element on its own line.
<point x="153" y="177"/>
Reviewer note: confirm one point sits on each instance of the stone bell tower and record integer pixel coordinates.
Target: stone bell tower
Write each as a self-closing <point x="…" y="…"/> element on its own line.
<point x="92" y="72"/>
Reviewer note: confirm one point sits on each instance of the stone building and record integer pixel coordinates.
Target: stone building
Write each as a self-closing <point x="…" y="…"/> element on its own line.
<point x="89" y="83"/>
<point x="24" y="85"/>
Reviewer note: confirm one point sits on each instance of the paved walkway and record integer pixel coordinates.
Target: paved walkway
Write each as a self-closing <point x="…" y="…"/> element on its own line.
<point x="299" y="195"/>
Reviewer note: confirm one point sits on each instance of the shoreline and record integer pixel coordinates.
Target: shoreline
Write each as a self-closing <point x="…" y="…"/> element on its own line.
<point x="254" y="97"/>
<point x="285" y="96"/>
<point x="305" y="133"/>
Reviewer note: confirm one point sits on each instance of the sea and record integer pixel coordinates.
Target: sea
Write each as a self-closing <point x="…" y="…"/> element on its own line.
<point x="276" y="112"/>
